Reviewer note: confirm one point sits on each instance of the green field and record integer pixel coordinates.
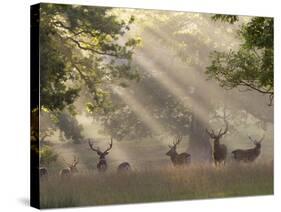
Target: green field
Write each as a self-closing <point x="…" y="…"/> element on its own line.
<point x="165" y="184"/>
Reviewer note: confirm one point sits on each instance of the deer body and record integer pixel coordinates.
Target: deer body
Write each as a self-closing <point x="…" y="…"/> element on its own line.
<point x="70" y="170"/>
<point x="102" y="164"/>
<point x="178" y="159"/>
<point x="220" y="150"/>
<point x="43" y="172"/>
<point x="248" y="155"/>
<point x="220" y="153"/>
<point x="65" y="173"/>
<point x="124" y="167"/>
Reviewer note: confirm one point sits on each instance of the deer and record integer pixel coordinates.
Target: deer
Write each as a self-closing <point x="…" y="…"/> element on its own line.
<point x="248" y="155"/>
<point x="43" y="172"/>
<point x="102" y="164"/>
<point x="71" y="169"/>
<point x="124" y="167"/>
<point x="178" y="159"/>
<point x="219" y="150"/>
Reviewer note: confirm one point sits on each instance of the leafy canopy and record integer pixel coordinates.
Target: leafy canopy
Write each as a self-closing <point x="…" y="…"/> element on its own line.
<point x="81" y="48"/>
<point x="251" y="66"/>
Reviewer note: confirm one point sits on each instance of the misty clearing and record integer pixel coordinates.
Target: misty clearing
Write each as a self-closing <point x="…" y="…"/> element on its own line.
<point x="146" y="105"/>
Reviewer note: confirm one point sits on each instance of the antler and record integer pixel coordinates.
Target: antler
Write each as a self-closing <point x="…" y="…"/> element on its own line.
<point x="254" y="141"/>
<point x="226" y="123"/>
<point x="220" y="133"/>
<point x="110" y="146"/>
<point x="68" y="164"/>
<point x="211" y="134"/>
<point x="75" y="161"/>
<point x="225" y="131"/>
<point x="94" y="149"/>
<point x="261" y="139"/>
<point x="178" y="140"/>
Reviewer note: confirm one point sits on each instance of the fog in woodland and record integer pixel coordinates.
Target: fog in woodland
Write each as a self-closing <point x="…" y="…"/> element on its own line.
<point x="165" y="92"/>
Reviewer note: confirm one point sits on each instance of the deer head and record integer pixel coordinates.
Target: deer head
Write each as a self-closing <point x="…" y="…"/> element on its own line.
<point x="173" y="148"/>
<point x="255" y="142"/>
<point x="102" y="164"/>
<point x="218" y="136"/>
<point x="72" y="166"/>
<point x="100" y="153"/>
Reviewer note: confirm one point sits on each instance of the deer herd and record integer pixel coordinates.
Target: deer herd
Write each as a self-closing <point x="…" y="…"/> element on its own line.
<point x="219" y="154"/>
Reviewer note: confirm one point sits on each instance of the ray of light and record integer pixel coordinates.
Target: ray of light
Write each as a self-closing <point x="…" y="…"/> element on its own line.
<point x="173" y="87"/>
<point x="139" y="109"/>
<point x="186" y="73"/>
<point x="200" y="109"/>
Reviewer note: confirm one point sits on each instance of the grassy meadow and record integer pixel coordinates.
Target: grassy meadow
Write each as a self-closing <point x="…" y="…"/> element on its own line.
<point x="143" y="87"/>
<point x="165" y="184"/>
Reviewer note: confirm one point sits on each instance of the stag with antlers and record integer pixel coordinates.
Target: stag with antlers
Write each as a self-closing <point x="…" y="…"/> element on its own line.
<point x="102" y="164"/>
<point x="71" y="169"/>
<point x="248" y="155"/>
<point x="178" y="159"/>
<point x="219" y="150"/>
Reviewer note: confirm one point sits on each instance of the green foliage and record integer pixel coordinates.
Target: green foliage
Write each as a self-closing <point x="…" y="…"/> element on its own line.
<point x="226" y="18"/>
<point x="251" y="66"/>
<point x="71" y="128"/>
<point x="79" y="49"/>
<point x="124" y="123"/>
<point x="47" y="155"/>
<point x="258" y="33"/>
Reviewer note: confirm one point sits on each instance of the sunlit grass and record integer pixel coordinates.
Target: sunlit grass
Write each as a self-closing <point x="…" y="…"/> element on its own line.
<point x="195" y="182"/>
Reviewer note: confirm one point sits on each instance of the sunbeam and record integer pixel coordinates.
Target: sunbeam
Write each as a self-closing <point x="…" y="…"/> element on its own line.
<point x="173" y="87"/>
<point x="139" y="110"/>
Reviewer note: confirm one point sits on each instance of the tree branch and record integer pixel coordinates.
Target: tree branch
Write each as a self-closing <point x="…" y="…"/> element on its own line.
<point x="90" y="49"/>
<point x="244" y="83"/>
<point x="78" y="43"/>
<point x="267" y="92"/>
<point x="60" y="24"/>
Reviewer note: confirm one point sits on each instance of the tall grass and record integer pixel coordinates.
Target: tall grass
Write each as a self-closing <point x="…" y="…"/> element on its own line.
<point x="194" y="182"/>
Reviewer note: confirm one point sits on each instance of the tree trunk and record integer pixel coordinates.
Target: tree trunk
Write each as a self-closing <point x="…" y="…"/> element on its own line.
<point x="199" y="146"/>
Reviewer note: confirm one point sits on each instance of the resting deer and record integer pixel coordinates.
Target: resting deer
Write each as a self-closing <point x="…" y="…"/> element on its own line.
<point x="124" y="167"/>
<point x="220" y="150"/>
<point x="43" y="172"/>
<point x="102" y="164"/>
<point x="248" y="155"/>
<point x="71" y="169"/>
<point x="178" y="159"/>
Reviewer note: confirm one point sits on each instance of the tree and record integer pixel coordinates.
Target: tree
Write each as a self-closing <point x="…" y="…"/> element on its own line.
<point x="251" y="66"/>
<point x="163" y="107"/>
<point x="70" y="127"/>
<point x="47" y="156"/>
<point x="80" y="48"/>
